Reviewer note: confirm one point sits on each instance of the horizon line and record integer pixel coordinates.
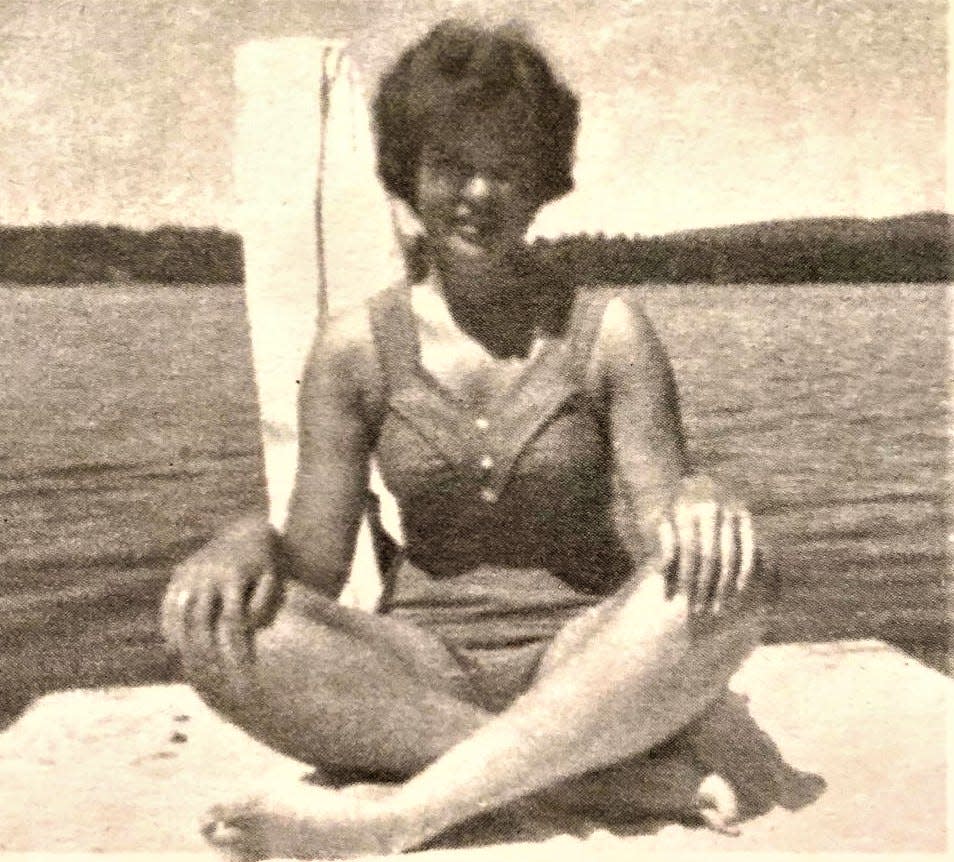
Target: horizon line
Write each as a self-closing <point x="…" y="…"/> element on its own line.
<point x="678" y="232"/>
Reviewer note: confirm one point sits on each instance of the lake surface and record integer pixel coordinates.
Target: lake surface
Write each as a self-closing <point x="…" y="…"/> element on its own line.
<point x="128" y="433"/>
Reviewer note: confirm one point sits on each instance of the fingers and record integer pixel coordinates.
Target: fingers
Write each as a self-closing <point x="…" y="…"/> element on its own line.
<point x="708" y="518"/>
<point x="264" y="598"/>
<point x="697" y="528"/>
<point x="746" y="550"/>
<point x="173" y="606"/>
<point x="686" y="533"/>
<point x="234" y="630"/>
<point x="717" y="559"/>
<point x="222" y="834"/>
<point x="668" y="552"/>
<point x="205" y="619"/>
<point x="177" y="607"/>
<point x="199" y="642"/>
<point x="229" y="830"/>
<point x="728" y="558"/>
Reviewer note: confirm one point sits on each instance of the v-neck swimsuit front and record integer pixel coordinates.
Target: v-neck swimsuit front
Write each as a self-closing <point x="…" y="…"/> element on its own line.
<point x="507" y="507"/>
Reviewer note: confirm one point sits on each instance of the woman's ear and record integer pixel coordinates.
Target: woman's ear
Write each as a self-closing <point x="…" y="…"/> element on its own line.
<point x="412" y="239"/>
<point x="407" y="225"/>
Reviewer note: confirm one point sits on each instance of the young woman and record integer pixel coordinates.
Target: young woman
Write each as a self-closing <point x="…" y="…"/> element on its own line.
<point x="571" y="599"/>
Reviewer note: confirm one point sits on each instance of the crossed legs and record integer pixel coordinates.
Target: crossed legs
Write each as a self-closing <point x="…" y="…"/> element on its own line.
<point x="361" y="695"/>
<point x="354" y="694"/>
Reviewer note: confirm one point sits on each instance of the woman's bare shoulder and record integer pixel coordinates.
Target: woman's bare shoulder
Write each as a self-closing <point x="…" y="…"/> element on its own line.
<point x="625" y="330"/>
<point x="345" y="356"/>
<point x="626" y="346"/>
<point x="348" y="331"/>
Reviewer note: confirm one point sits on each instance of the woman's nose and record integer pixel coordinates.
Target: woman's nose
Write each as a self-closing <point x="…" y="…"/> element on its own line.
<point x="477" y="187"/>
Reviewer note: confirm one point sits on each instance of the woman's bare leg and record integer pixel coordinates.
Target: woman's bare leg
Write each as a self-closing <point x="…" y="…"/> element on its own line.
<point x="638" y="671"/>
<point x="316" y="648"/>
<point x="404" y="685"/>
<point x="366" y="698"/>
<point x="644" y="671"/>
<point x="346" y="691"/>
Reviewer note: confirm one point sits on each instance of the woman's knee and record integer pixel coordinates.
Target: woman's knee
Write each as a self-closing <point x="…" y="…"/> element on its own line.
<point x="229" y="679"/>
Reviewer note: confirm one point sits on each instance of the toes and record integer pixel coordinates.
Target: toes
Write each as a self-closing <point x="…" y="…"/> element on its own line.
<point x="234" y="815"/>
<point x="717" y="823"/>
<point x="717" y="805"/>
<point x="223" y="834"/>
<point x="231" y="830"/>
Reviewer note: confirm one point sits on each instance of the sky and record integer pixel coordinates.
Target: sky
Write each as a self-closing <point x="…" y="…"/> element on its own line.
<point x="694" y="112"/>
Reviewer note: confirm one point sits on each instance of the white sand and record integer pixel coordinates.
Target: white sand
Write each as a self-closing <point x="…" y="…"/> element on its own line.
<point x="131" y="769"/>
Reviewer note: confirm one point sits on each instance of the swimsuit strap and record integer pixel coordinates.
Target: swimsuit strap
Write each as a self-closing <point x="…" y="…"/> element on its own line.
<point x="394" y="338"/>
<point x="589" y="307"/>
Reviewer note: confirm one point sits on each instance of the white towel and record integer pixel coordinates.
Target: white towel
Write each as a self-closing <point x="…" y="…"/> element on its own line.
<point x="317" y="233"/>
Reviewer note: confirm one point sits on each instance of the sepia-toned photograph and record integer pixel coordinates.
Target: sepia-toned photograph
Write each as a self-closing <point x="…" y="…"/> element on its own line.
<point x="474" y="430"/>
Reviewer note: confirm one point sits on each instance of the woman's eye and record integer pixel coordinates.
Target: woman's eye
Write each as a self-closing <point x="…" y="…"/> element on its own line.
<point x="446" y="163"/>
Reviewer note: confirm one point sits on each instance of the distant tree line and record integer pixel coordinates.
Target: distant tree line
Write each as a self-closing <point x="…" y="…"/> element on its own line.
<point x="48" y="254"/>
<point x="903" y="249"/>
<point x="907" y="248"/>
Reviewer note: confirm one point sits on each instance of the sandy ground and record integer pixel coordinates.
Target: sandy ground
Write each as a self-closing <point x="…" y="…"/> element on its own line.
<point x="131" y="769"/>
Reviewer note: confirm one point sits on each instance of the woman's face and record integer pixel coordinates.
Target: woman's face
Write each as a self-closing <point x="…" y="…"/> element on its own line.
<point x="477" y="190"/>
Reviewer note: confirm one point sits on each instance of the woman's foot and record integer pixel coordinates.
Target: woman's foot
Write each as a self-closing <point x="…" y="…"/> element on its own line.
<point x="717" y="805"/>
<point x="726" y="740"/>
<point x="295" y="820"/>
<point x="643" y="792"/>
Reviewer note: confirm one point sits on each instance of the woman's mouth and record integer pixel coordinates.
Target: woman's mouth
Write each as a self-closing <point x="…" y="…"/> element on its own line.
<point x="468" y="231"/>
<point x="472" y="231"/>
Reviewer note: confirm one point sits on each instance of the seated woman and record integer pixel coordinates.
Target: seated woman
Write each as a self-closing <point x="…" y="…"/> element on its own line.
<point x="571" y="600"/>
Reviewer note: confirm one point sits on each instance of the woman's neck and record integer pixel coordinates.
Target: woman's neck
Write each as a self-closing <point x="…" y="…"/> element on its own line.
<point x="495" y="305"/>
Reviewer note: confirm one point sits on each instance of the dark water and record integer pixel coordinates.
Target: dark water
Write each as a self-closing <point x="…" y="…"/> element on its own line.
<point x="827" y="405"/>
<point x="128" y="434"/>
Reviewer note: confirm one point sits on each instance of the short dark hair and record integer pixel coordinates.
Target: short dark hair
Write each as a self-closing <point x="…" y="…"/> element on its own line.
<point x="458" y="66"/>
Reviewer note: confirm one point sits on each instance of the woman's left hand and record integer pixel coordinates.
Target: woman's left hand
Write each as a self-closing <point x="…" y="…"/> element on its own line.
<point x="710" y="551"/>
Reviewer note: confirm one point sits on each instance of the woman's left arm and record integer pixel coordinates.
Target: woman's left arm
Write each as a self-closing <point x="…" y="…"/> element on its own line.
<point x="703" y="534"/>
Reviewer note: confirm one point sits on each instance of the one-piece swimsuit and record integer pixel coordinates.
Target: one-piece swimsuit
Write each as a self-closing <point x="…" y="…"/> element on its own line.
<point x="508" y="507"/>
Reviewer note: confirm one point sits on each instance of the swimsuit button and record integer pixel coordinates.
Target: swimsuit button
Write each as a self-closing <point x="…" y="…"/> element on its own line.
<point x="482" y="423"/>
<point x="488" y="495"/>
<point x="486" y="463"/>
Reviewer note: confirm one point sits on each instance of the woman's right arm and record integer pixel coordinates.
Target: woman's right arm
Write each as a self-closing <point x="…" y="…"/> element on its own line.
<point x="338" y="404"/>
<point x="220" y="595"/>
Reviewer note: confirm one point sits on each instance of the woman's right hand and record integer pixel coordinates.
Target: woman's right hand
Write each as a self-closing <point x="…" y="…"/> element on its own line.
<point x="219" y="597"/>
